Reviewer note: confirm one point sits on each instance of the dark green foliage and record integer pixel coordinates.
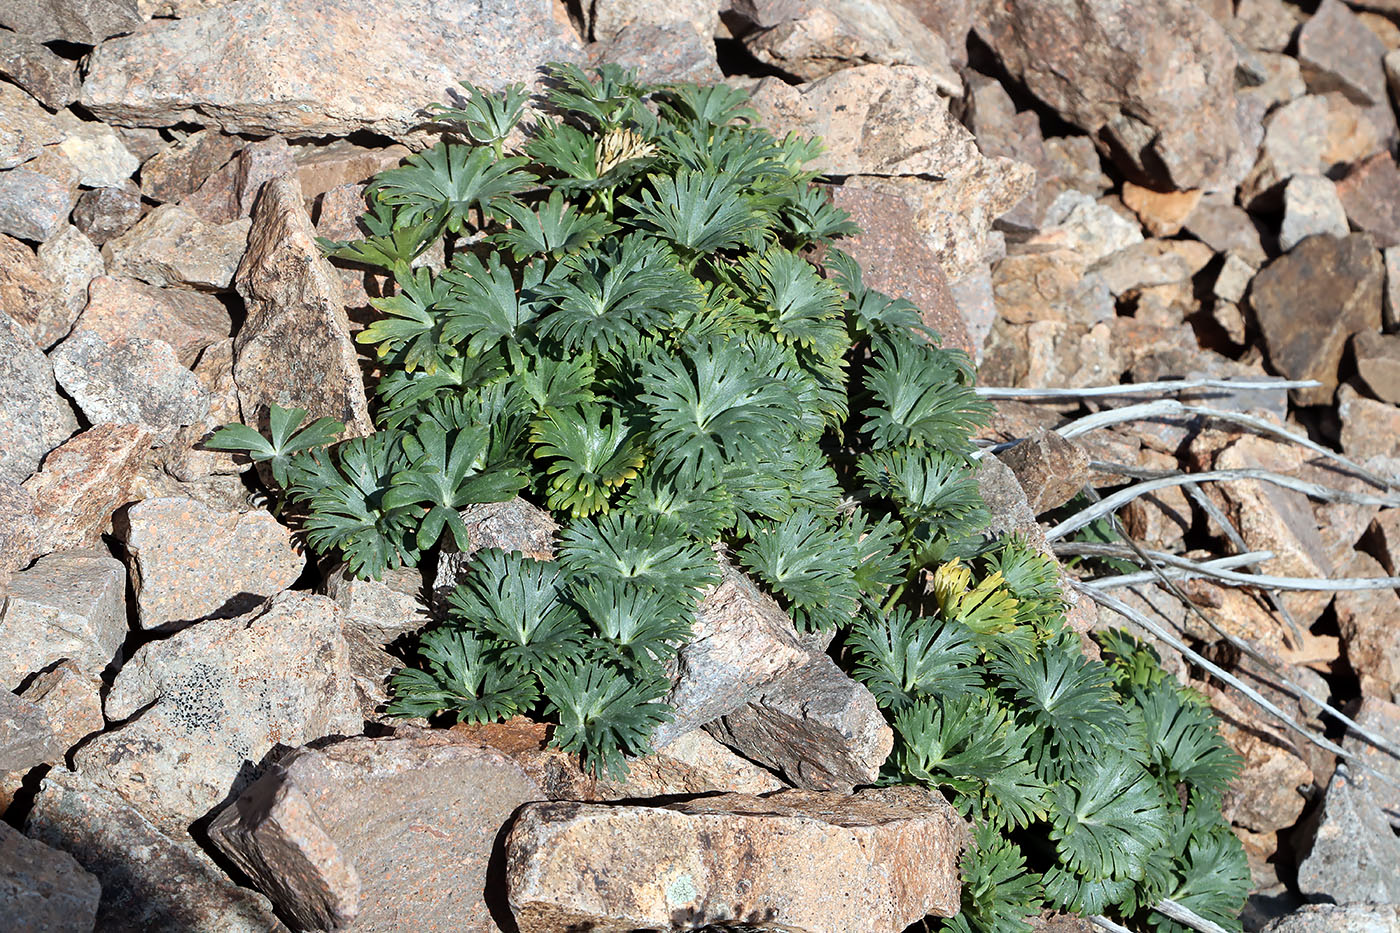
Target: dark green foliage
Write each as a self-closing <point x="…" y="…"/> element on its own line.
<point x="625" y="330"/>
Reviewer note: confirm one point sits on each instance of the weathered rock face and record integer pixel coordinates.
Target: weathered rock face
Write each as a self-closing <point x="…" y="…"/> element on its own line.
<point x="172" y="246"/>
<point x="1052" y="470"/>
<point x="71" y="604"/>
<point x="1339" y="918"/>
<point x="1311" y="207"/>
<point x="382" y="609"/>
<point x="83" y="21"/>
<point x="812" y="862"/>
<point x="1153" y="83"/>
<point x="1309" y="303"/>
<point x="214" y="699"/>
<point x="1369" y="194"/>
<point x="263" y="66"/>
<point x="294" y="349"/>
<point x="175" y="172"/>
<point x="70" y="261"/>
<point x="25" y="127"/>
<point x="104" y="213"/>
<point x="53" y="81"/>
<point x="28" y="294"/>
<point x="515" y="525"/>
<point x="135" y="380"/>
<point x="1378" y="364"/>
<point x="151" y="880"/>
<point x="34" y="418"/>
<point x="1338" y="52"/>
<point x="83" y="482"/>
<point x="27" y="737"/>
<point x="1354" y="853"/>
<point x="42" y="888"/>
<point x="190" y="562"/>
<point x="187" y="320"/>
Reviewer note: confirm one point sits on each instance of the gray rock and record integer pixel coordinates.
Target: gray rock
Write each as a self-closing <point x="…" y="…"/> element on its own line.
<point x="70" y="261"/>
<point x="27" y="737"/>
<point x="33" y="205"/>
<point x="25" y="127"/>
<point x="1232" y="281"/>
<point x="299" y="68"/>
<point x="1354" y="853"/>
<point x="171" y="246"/>
<point x="390" y="833"/>
<point x="1266" y="25"/>
<point x="86" y="22"/>
<point x="52" y="80"/>
<point x="152" y="881"/>
<point x="105" y="213"/>
<point x="1093" y="229"/>
<point x="515" y="525"/>
<point x="1310" y="207"/>
<point x="1339" y="918"/>
<point x="816" y="726"/>
<point x="97" y="152"/>
<point x="1391" y="305"/>
<point x="381" y="609"/>
<point x="187" y="320"/>
<point x="29" y="295"/>
<point x="1338" y="53"/>
<point x="215" y="699"/>
<point x="662" y="53"/>
<point x="178" y="170"/>
<point x="190" y="562"/>
<point x="294" y="349"/>
<point x="1007" y="501"/>
<point x="136" y="380"/>
<point x="44" y="889"/>
<point x="1370" y="193"/>
<point x="1225" y="227"/>
<point x="70" y="699"/>
<point x="19" y="529"/>
<point x="84" y="482"/>
<point x="71" y="604"/>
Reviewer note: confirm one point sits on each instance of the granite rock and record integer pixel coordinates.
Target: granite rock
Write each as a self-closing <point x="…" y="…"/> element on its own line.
<point x="70" y="604"/>
<point x="1370" y="195"/>
<point x="29" y="295"/>
<point x="187" y="320"/>
<point x="25" y="127"/>
<point x="34" y="204"/>
<point x="172" y="246"/>
<point x="34" y="418"/>
<point x="96" y="151"/>
<point x="52" y="80"/>
<point x="70" y="262"/>
<point x="83" y="482"/>
<point x="136" y="380"/>
<point x="1310" y="207"/>
<point x="178" y="170"/>
<point x="44" y="889"/>
<point x="104" y="213"/>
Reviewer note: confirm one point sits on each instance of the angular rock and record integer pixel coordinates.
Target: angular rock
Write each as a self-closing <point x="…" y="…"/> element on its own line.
<point x="816" y="726"/>
<point x="1369" y="194"/>
<point x="1091" y="228"/>
<point x="382" y="609"/>
<point x="104" y="213"/>
<point x="1378" y="364"/>
<point x="25" y="127"/>
<point x="97" y="153"/>
<point x="1339" y="918"/>
<point x="87" y="22"/>
<point x="152" y="881"/>
<point x="52" y="80"/>
<point x="171" y="246"/>
<point x="1369" y="621"/>
<point x="515" y="525"/>
<point x="1311" y="207"/>
<point x="134" y="381"/>
<point x="215" y="699"/>
<point x="321" y="168"/>
<point x="19" y="531"/>
<point x="187" y="320"/>
<point x="609" y="18"/>
<point x="44" y="889"/>
<point x="71" y="262"/>
<point x="1050" y="284"/>
<point x="879" y="121"/>
<point x="260" y="66"/>
<point x="34" y="205"/>
<point x="813" y="862"/>
<point x="230" y="193"/>
<point x="894" y="259"/>
<point x="1232" y="281"/>
<point x="385" y="832"/>
<point x="176" y="171"/>
<point x="1369" y="428"/>
<point x="1354" y="852"/>
<point x="294" y="349"/>
<point x="190" y="562"/>
<point x="661" y="53"/>
<point x="1051" y="469"/>
<point x="742" y="643"/>
<point x="976" y="305"/>
<point x="1150" y="264"/>
<point x="27" y="737"/>
<point x="28" y="294"/>
<point x="71" y="700"/>
<point x="34" y="418"/>
<point x="1311" y="301"/>
<point x="1266" y="795"/>
<point x="1308" y="136"/>
<point x="1152" y="82"/>
<point x="1266" y="25"/>
<point x="1226" y="228"/>
<point x="83" y="482"/>
<point x="71" y="604"/>
<point x="1162" y="212"/>
<point x="1338" y="53"/>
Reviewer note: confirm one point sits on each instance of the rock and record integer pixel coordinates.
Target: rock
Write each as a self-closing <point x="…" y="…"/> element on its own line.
<point x="1091" y="228"/>
<point x="894" y="259"/>
<point x="1050" y="284"/>
<point x="1378" y="363"/>
<point x="818" y="39"/>
<point x="25" y="127"/>
<point x="1309" y="302"/>
<point x="71" y="604"/>
<point x="1339" y="918"/>
<point x="86" y="22"/>
<point x="1369" y="428"/>
<point x="1338" y="53"/>
<point x="1369" y="194"/>
<point x="70" y="261"/>
<point x="26" y="736"/>
<point x="187" y="320"/>
<point x="879" y="121"/>
<point x="52" y="80"/>
<point x="1266" y="795"/>
<point x="215" y="699"/>
<point x="1051" y="469"/>
<point x="171" y="246"/>
<point x="1311" y="207"/>
<point x="1308" y="136"/>
<point x="1006" y="501"/>
<point x="178" y="71"/>
<point x="977" y="306"/>
<point x="1226" y="228"/>
<point x="83" y="482"/>
<point x="104" y="213"/>
<point x="230" y="193"/>
<point x="95" y="150"/>
<point x="1382" y="718"/>
<point x="34" y="418"/>
<point x="1230" y="319"/>
<point x="1153" y="83"/>
<point x="515" y="525"/>
<point x="321" y="168"/>
<point x="19" y="532"/>
<point x="189" y="562"/>
<point x="178" y="170"/>
<point x="609" y="18"/>
<point x="28" y="294"/>
<point x="71" y="701"/>
<point x="811" y="861"/>
<point x="44" y="889"/>
<point x="135" y="381"/>
<point x="1369" y="621"/>
<point x="1354" y="853"/>
<point x="294" y="349"/>
<point x="1232" y="281"/>
<point x="742" y="643"/>
<point x="382" y="609"/>
<point x="1162" y="212"/>
<point x="34" y="205"/>
<point x="816" y="726"/>
<point x="390" y="833"/>
<point x="152" y="881"/>
<point x="1267" y="25"/>
<point x="1151" y="264"/>
<point x="661" y="53"/>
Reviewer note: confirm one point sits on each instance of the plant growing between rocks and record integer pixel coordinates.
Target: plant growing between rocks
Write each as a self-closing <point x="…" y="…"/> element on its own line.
<point x="629" y="330"/>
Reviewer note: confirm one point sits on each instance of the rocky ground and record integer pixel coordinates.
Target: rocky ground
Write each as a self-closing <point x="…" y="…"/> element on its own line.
<point x="1080" y="193"/>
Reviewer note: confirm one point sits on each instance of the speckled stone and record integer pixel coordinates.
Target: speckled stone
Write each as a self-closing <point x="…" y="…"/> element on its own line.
<point x="175" y="172"/>
<point x="214" y="699"/>
<point x="96" y="151"/>
<point x="83" y="482"/>
<point x="84" y="21"/>
<point x="71" y="604"/>
<point x="152" y="881"/>
<point x="189" y="562"/>
<point x="515" y="525"/>
<point x="294" y="349"/>
<point x="70" y="261"/>
<point x="19" y="531"/>
<point x="104" y="213"/>
<point x="71" y="700"/>
<point x="321" y="168"/>
<point x="34" y="205"/>
<point x="124" y="307"/>
<point x="317" y="67"/>
<point x="34" y="418"/>
<point x="383" y="609"/>
<point x="135" y="380"/>
<point x="27" y="737"/>
<point x="42" y="888"/>
<point x="52" y="80"/>
<point x="172" y="246"/>
<point x="25" y="127"/>
<point x="28" y="295"/>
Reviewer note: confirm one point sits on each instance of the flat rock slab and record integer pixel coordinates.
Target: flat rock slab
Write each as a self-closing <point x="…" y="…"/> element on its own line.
<point x="71" y="604"/>
<point x="133" y="380"/>
<point x="320" y="67"/>
<point x="83" y="482"/>
<point x="151" y="882"/>
<point x="1336" y="918"/>
<point x="173" y="246"/>
<point x="34" y="418"/>
<point x="872" y="862"/>
<point x="125" y="307"/>
<point x="42" y="888"/>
